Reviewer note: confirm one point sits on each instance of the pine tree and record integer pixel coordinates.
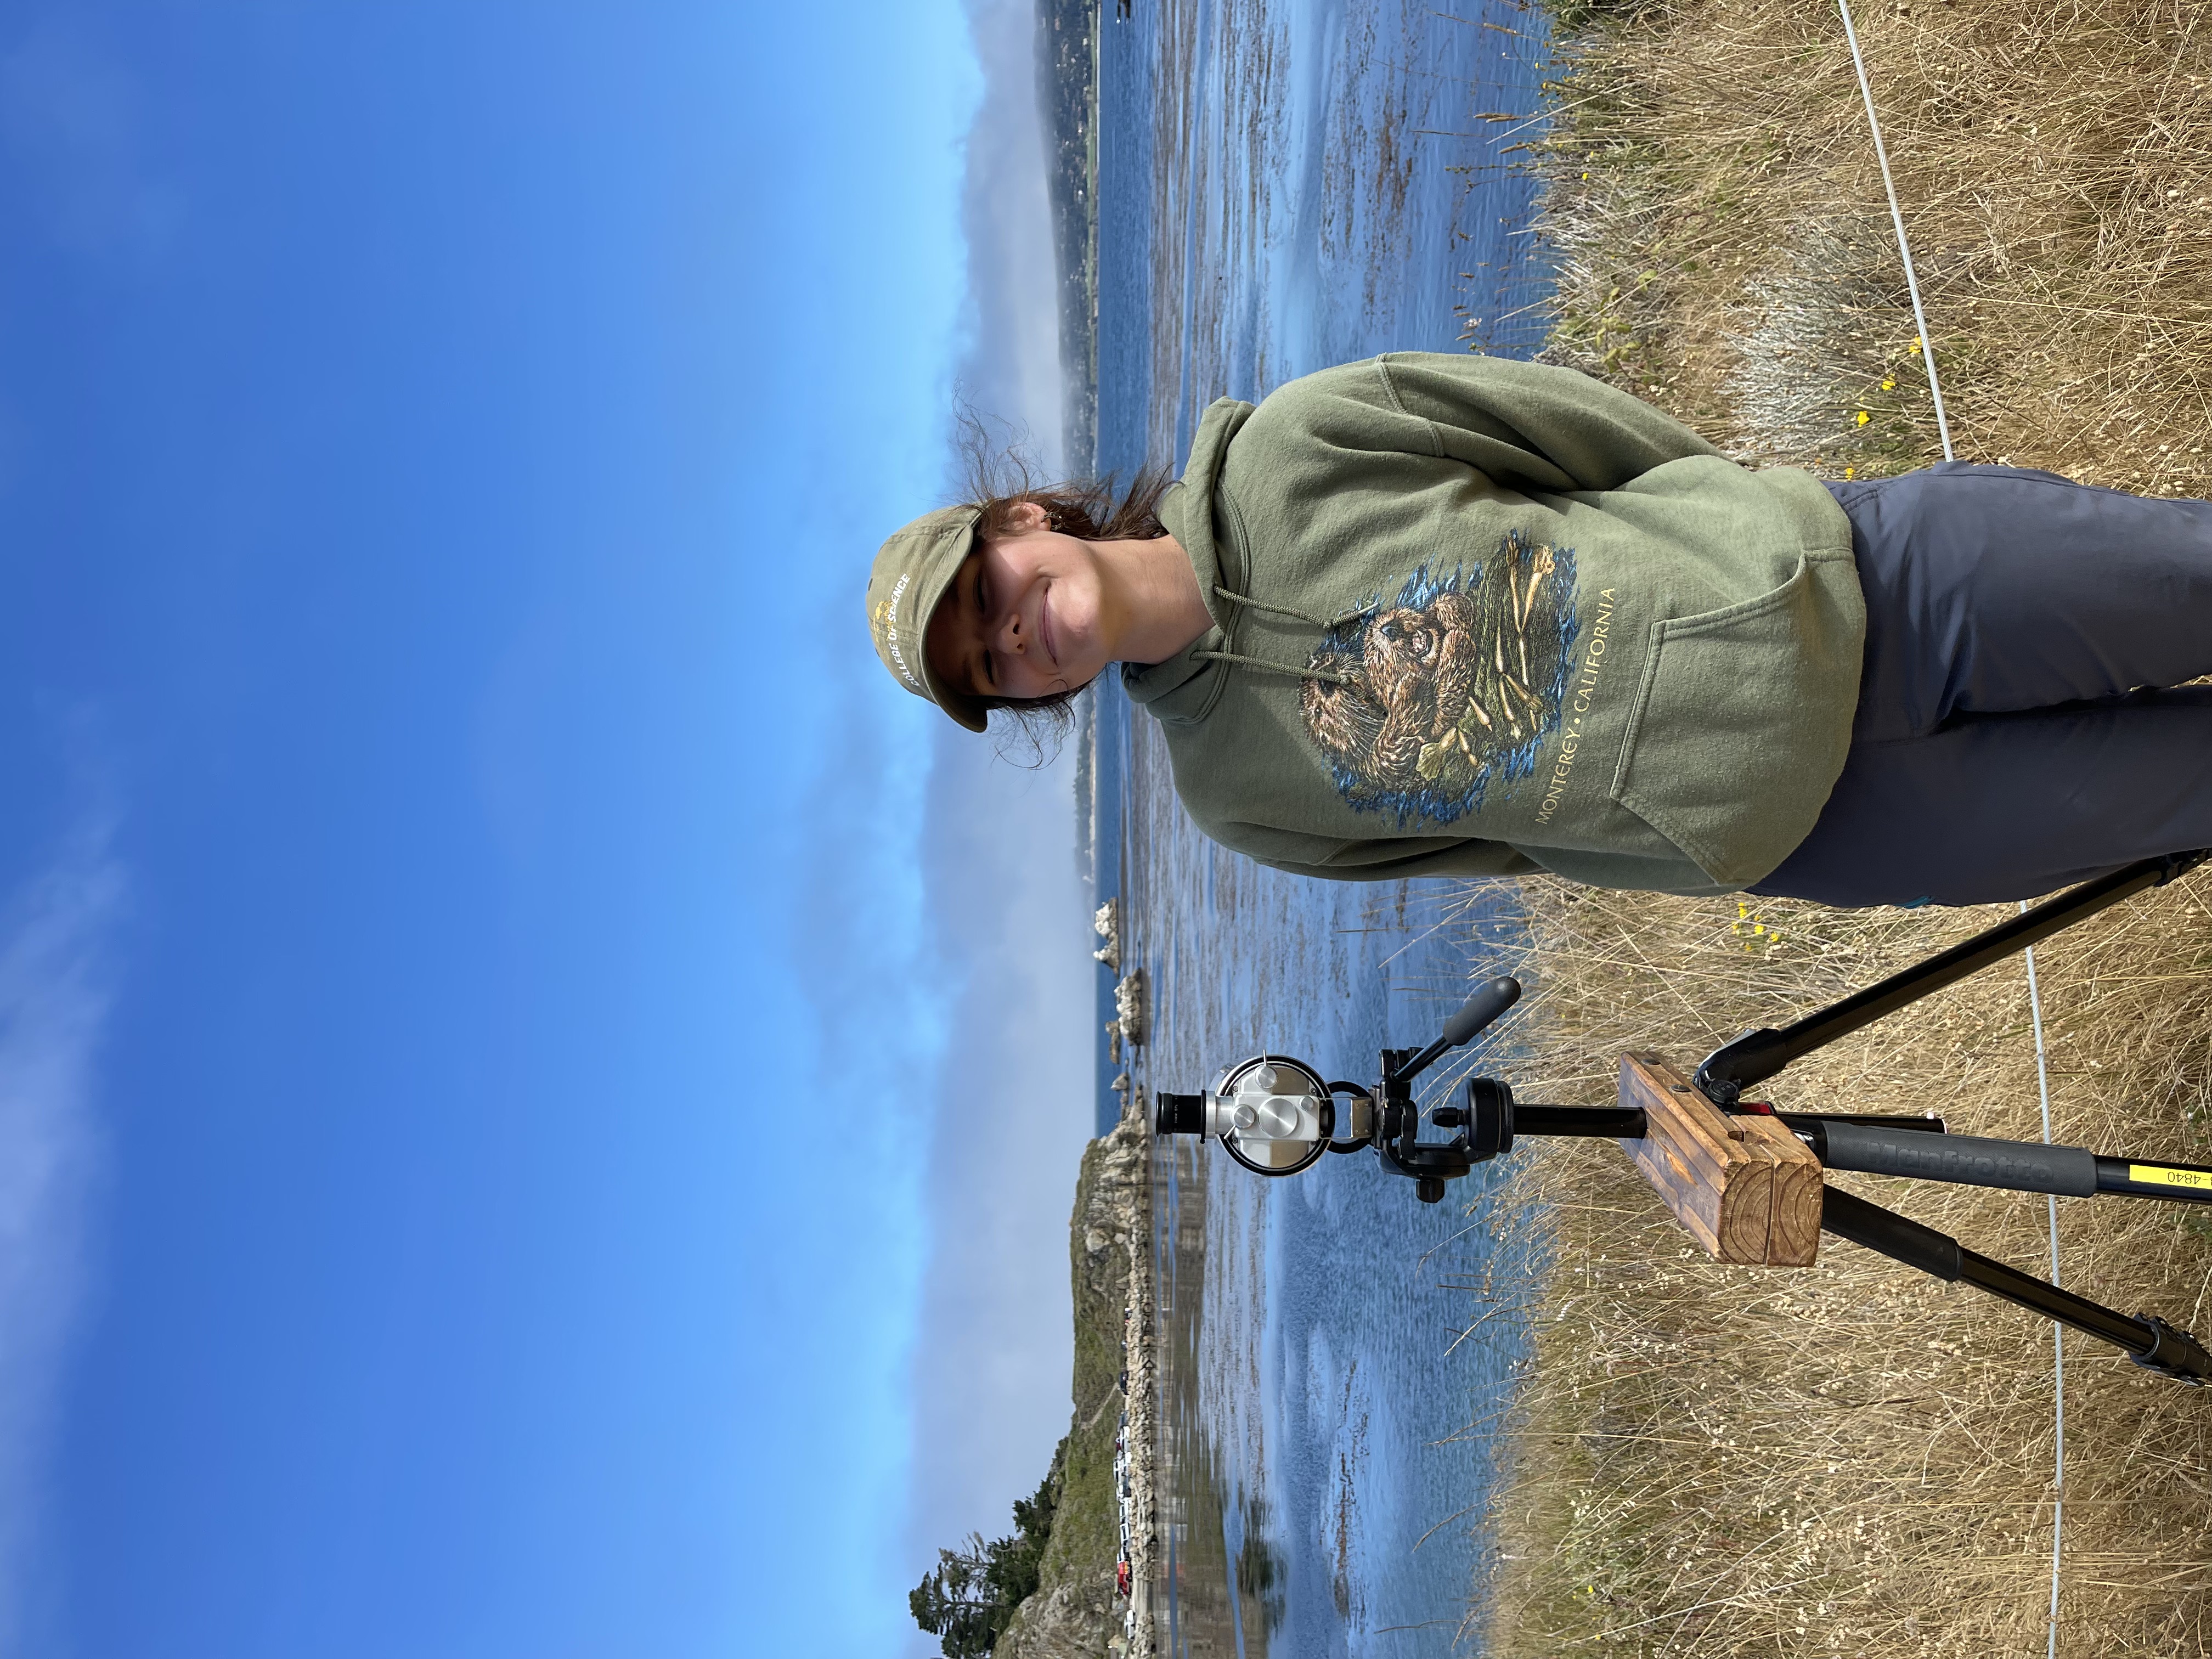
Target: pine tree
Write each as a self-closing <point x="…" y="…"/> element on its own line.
<point x="957" y="1604"/>
<point x="970" y="1600"/>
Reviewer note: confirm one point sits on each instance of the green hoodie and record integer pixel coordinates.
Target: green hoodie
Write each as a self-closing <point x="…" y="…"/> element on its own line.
<point x="1475" y="617"/>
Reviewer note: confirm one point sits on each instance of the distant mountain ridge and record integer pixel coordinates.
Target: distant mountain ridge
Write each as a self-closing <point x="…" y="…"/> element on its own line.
<point x="1068" y="98"/>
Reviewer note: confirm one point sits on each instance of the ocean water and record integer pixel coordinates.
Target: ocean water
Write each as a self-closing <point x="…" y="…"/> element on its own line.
<point x="1285" y="184"/>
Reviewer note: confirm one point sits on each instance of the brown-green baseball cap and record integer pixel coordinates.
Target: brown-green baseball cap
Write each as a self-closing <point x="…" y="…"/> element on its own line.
<point x="912" y="571"/>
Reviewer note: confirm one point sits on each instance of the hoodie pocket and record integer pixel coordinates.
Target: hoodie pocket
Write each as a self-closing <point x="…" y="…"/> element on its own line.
<point x="1743" y="719"/>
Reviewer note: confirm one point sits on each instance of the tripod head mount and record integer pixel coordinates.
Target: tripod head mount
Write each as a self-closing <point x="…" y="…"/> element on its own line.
<point x="1276" y="1117"/>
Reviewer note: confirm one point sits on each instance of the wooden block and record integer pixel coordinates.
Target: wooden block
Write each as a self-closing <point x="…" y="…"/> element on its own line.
<point x="1744" y="1187"/>
<point x="1793" y="1210"/>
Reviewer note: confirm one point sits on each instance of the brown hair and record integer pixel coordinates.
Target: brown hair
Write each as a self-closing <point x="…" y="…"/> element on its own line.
<point x="999" y="480"/>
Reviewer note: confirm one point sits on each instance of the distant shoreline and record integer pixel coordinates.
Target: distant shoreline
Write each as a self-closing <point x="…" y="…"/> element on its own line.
<point x="1068" y="41"/>
<point x="1141" y="1433"/>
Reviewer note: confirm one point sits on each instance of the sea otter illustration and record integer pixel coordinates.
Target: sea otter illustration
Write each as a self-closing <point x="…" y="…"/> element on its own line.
<point x="1455" y="685"/>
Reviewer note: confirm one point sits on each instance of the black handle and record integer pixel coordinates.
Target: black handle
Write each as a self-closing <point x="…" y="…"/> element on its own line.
<point x="1484" y="1006"/>
<point x="1477" y="1011"/>
<point x="2023" y="1166"/>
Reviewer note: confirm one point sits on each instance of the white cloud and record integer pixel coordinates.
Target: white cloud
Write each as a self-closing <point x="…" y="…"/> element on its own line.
<point x="1010" y="370"/>
<point x="1015" y="1106"/>
<point x="54" y="1004"/>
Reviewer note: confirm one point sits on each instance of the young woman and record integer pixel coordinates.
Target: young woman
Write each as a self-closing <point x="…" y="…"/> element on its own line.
<point x="1444" y="614"/>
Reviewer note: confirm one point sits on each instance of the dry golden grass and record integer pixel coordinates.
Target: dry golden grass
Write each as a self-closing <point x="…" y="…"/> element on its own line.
<point x="1726" y="248"/>
<point x="1853" y="1459"/>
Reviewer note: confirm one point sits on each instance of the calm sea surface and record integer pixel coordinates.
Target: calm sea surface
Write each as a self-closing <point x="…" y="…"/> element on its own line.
<point x="1283" y="186"/>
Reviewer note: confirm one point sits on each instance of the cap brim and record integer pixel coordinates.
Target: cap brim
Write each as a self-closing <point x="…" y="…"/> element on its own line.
<point x="914" y="570"/>
<point x="968" y="710"/>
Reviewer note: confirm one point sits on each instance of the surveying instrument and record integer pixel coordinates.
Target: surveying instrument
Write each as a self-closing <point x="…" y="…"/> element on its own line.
<point x="1745" y="1180"/>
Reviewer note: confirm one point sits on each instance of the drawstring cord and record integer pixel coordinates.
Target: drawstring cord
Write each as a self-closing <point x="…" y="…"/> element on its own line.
<point x="1249" y="604"/>
<point x="1284" y="613"/>
<point x="1263" y="664"/>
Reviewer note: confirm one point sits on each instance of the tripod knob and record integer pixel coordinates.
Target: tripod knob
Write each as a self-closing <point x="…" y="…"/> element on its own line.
<point x="1488" y="1114"/>
<point x="1430" y="1189"/>
<point x="1449" y="1117"/>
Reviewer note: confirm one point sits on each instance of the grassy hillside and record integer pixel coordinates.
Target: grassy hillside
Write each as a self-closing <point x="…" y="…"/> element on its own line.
<point x="1726" y="248"/>
<point x="1075" y="1610"/>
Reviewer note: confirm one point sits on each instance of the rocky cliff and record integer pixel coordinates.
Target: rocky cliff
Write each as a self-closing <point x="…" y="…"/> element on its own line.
<point x="1075" y="1614"/>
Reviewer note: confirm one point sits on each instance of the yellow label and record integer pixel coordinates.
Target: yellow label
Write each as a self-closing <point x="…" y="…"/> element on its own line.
<point x="2157" y="1175"/>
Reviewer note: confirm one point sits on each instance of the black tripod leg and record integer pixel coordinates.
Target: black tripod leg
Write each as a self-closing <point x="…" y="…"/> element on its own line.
<point x="1757" y="1055"/>
<point x="2150" y="1341"/>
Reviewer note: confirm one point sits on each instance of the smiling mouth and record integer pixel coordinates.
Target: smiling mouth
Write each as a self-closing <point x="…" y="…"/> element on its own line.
<point x="1044" y="623"/>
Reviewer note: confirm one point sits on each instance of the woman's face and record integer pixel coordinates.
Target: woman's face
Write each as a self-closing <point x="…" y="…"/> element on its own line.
<point x="1023" y="616"/>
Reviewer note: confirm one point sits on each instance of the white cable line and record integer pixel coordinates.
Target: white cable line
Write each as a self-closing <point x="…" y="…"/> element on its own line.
<point x="2058" y="1331"/>
<point x="1904" y="246"/>
<point x="2034" y="992"/>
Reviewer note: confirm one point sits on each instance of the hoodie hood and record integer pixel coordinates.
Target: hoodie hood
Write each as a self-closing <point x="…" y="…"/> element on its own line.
<point x="1183" y="691"/>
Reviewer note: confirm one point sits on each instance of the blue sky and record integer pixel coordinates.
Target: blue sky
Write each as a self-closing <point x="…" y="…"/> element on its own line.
<point x="482" y="945"/>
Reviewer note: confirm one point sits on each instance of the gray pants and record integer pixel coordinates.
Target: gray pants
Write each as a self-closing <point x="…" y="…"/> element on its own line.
<point x="2015" y="731"/>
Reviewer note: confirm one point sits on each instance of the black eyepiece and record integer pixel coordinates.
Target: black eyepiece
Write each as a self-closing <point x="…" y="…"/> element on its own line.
<point x="1180" y="1115"/>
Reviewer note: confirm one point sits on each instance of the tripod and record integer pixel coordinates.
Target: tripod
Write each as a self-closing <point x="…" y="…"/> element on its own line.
<point x="2069" y="1171"/>
<point x="1744" y="1179"/>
